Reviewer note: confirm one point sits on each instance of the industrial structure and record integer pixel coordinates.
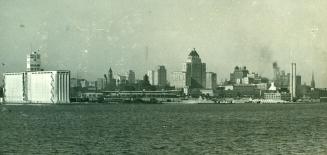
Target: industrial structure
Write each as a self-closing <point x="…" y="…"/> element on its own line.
<point x="37" y="87"/>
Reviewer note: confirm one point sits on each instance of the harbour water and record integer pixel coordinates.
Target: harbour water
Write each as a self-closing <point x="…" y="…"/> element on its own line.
<point x="164" y="129"/>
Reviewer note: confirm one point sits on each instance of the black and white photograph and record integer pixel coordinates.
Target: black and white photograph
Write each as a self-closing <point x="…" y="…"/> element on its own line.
<point x="163" y="77"/>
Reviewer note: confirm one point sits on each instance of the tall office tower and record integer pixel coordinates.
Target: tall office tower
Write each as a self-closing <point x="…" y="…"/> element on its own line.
<point x="131" y="77"/>
<point x="195" y="71"/>
<point x="179" y="79"/>
<point x="293" y="81"/>
<point x="34" y="62"/>
<point x="160" y="76"/>
<point x="298" y="84"/>
<point x="313" y="83"/>
<point x="151" y="76"/>
<point x="100" y="83"/>
<point x="211" y="80"/>
<point x="283" y="80"/>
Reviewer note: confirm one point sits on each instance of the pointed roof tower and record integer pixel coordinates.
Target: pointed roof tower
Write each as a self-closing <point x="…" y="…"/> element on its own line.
<point x="194" y="57"/>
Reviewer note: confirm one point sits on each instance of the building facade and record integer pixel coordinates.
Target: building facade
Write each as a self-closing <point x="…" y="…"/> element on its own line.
<point x="43" y="87"/>
<point x="101" y="84"/>
<point x="33" y="62"/>
<point x="179" y="80"/>
<point x="120" y="79"/>
<point x="158" y="77"/>
<point x="195" y="71"/>
<point x="131" y="77"/>
<point x="238" y="74"/>
<point x="151" y="76"/>
<point x="211" y="80"/>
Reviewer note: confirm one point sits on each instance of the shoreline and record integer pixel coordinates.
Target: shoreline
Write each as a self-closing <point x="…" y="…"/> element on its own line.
<point x="140" y="103"/>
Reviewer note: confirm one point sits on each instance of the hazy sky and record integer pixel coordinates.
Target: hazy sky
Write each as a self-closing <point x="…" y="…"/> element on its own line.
<point x="88" y="36"/>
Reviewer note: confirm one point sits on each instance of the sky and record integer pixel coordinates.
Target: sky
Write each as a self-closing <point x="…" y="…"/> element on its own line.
<point x="89" y="36"/>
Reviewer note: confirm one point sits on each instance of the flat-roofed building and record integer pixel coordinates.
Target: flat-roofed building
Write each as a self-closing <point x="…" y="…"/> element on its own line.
<point x="37" y="87"/>
<point x="33" y="62"/>
<point x="179" y="80"/>
<point x="211" y="80"/>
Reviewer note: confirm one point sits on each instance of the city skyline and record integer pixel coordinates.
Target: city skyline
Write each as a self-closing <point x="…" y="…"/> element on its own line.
<point x="117" y="35"/>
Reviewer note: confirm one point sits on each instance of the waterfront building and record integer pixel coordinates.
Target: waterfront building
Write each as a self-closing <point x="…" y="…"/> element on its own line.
<point x="179" y="80"/>
<point x="74" y="82"/>
<point x="158" y="77"/>
<point x="238" y="74"/>
<point x="151" y="76"/>
<point x="84" y="83"/>
<point x="120" y="79"/>
<point x="299" y="92"/>
<point x="193" y="74"/>
<point x="261" y="86"/>
<point x="211" y="80"/>
<point x="276" y="77"/>
<point x="293" y="81"/>
<point x="101" y="84"/>
<point x="33" y="62"/>
<point x="110" y="78"/>
<point x="246" y="90"/>
<point x="284" y="80"/>
<point x="92" y="84"/>
<point x="280" y="78"/>
<point x="131" y="77"/>
<point x="37" y="87"/>
<point x="229" y="87"/>
<point x="272" y="96"/>
<point x="195" y="71"/>
<point x="254" y="78"/>
<point x="272" y="87"/>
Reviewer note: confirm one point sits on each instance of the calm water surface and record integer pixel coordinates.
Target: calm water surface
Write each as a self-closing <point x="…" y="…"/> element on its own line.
<point x="164" y="129"/>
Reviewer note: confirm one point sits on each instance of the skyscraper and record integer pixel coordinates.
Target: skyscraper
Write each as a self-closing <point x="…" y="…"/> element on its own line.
<point x="33" y="62"/>
<point x="293" y="81"/>
<point x="211" y="80"/>
<point x="151" y="76"/>
<point x="298" y="86"/>
<point x="158" y="77"/>
<point x="179" y="79"/>
<point x="195" y="71"/>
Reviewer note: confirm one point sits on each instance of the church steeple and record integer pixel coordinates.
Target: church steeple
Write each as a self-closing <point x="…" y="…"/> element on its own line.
<point x="313" y="83"/>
